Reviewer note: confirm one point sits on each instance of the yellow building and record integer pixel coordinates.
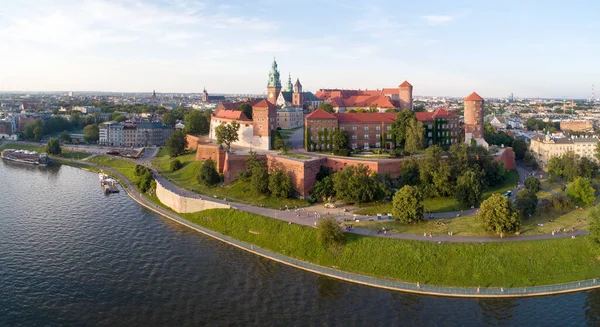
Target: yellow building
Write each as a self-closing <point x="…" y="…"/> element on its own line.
<point x="547" y="147"/>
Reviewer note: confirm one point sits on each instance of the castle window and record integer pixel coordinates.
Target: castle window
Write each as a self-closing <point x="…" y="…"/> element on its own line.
<point x="366" y="128"/>
<point x="354" y="128"/>
<point x="366" y="136"/>
<point x="377" y="128"/>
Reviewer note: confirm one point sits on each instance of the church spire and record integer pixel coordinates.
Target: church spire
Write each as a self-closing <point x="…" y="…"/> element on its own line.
<point x="289" y="86"/>
<point x="274" y="80"/>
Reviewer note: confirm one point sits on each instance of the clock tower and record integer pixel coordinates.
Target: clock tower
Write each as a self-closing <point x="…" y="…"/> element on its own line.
<point x="274" y="84"/>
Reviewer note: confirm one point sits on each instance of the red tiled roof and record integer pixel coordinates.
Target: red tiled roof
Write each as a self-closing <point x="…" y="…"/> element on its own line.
<point x="405" y="84"/>
<point x="320" y="114"/>
<point x="265" y="104"/>
<point x="366" y="117"/>
<point x="473" y="97"/>
<point x="442" y="113"/>
<point x="365" y="101"/>
<point x="423" y="116"/>
<point x="231" y="114"/>
<point x="390" y="90"/>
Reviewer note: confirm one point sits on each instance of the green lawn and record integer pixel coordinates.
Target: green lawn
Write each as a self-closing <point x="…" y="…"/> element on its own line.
<point x="237" y="191"/>
<point x="295" y="156"/>
<point x="470" y="225"/>
<point x="125" y="167"/>
<point x="445" y="204"/>
<point x="512" y="264"/>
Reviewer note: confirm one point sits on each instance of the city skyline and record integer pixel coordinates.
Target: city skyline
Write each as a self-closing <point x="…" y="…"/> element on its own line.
<point x="442" y="48"/>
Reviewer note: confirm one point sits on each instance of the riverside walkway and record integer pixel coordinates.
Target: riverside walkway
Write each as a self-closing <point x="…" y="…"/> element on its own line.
<point x="416" y="288"/>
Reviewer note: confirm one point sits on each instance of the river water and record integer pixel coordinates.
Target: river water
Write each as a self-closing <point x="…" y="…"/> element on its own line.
<point x="72" y="256"/>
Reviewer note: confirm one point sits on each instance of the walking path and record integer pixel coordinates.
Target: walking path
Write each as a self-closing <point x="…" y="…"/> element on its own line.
<point x="470" y="292"/>
<point x="309" y="216"/>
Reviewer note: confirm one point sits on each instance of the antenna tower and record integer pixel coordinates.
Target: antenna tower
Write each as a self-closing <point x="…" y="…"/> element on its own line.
<point x="593" y="96"/>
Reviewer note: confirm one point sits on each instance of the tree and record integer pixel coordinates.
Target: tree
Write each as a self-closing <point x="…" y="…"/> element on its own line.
<point x="530" y="161"/>
<point x="526" y="203"/>
<point x="407" y="205"/>
<point x="246" y="108"/>
<point x="329" y="232"/>
<point x="597" y="154"/>
<point x="176" y="165"/>
<point x="399" y="127"/>
<point x="280" y="184"/>
<point x="53" y="146"/>
<point x="581" y="191"/>
<point x="357" y="184"/>
<point x="327" y="107"/>
<point x="28" y="131"/>
<point x="208" y="175"/>
<point x="323" y="189"/>
<point x="259" y="181"/>
<point x="176" y="144"/>
<point x="441" y="179"/>
<point x="38" y="130"/>
<point x="143" y="179"/>
<point x="415" y="136"/>
<point x="587" y="168"/>
<point x="196" y="123"/>
<point x="65" y="137"/>
<point x="91" y="133"/>
<point x="409" y="172"/>
<point x="168" y="118"/>
<point x="532" y="184"/>
<point x="340" y="142"/>
<point x="497" y="214"/>
<point x="468" y="189"/>
<point x="519" y="147"/>
<point x="227" y="133"/>
<point x="594" y="228"/>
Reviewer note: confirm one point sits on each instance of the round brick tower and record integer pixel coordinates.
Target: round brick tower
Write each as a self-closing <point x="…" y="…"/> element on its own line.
<point x="406" y="98"/>
<point x="474" y="115"/>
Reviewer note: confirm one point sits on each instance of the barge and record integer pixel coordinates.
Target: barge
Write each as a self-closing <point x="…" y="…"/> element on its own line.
<point x="25" y="156"/>
<point x="108" y="184"/>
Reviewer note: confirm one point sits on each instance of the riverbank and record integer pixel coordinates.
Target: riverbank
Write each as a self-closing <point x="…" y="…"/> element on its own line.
<point x="474" y="267"/>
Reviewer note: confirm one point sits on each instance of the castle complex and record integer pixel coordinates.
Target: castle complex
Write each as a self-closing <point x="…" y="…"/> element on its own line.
<point x="366" y="130"/>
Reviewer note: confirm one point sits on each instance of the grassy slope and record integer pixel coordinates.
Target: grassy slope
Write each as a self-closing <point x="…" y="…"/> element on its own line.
<point x="238" y="190"/>
<point x="442" y="204"/>
<point x="125" y="167"/>
<point x="457" y="264"/>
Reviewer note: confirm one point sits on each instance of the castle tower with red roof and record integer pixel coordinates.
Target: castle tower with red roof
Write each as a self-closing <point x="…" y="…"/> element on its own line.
<point x="274" y="84"/>
<point x="264" y="114"/>
<point x="298" y="96"/>
<point x="474" y="119"/>
<point x="406" y="96"/>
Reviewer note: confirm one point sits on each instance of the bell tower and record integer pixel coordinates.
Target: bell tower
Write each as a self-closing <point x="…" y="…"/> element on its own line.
<point x="274" y="84"/>
<point x="298" y="96"/>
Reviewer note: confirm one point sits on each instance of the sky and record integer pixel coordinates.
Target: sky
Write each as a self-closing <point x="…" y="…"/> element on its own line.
<point x="443" y="48"/>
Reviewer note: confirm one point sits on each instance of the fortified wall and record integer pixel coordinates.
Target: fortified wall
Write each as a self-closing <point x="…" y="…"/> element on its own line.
<point x="183" y="204"/>
<point x="303" y="172"/>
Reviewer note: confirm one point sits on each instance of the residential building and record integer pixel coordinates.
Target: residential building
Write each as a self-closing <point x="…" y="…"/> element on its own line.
<point x="545" y="147"/>
<point x="577" y="126"/>
<point x="133" y="135"/>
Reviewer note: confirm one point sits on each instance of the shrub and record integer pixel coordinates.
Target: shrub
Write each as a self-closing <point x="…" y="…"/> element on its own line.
<point x="176" y="165"/>
<point x="208" y="173"/>
<point x="329" y="232"/>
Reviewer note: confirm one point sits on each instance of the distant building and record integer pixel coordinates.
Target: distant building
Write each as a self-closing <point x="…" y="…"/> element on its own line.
<point x="577" y="126"/>
<point x="133" y="135"/>
<point x="546" y="147"/>
<point x="86" y="109"/>
<point x="211" y="98"/>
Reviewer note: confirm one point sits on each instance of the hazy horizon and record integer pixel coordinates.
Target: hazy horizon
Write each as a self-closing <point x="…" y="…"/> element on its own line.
<point x="181" y="46"/>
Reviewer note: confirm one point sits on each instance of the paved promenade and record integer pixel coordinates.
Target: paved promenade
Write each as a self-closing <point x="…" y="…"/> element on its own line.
<point x="423" y="289"/>
<point x="309" y="216"/>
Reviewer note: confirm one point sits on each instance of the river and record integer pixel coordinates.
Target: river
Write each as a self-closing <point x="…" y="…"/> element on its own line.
<point x="72" y="256"/>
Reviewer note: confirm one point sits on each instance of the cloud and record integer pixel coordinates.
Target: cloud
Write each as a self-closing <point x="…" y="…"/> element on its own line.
<point x="438" y="19"/>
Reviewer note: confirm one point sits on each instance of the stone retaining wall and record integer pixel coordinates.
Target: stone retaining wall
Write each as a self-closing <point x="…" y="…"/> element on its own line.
<point x="182" y="204"/>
